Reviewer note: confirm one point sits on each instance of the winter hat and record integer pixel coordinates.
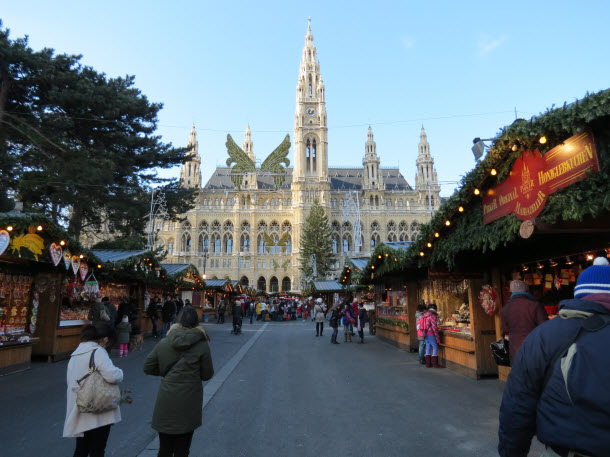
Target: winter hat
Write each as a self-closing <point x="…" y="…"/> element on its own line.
<point x="518" y="286"/>
<point x="594" y="280"/>
<point x="125" y="318"/>
<point x="319" y="300"/>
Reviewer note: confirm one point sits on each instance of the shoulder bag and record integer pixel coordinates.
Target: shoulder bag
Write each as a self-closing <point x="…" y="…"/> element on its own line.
<point x="94" y="394"/>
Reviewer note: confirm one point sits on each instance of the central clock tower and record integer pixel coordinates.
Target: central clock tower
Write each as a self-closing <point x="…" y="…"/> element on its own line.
<point x="310" y="128"/>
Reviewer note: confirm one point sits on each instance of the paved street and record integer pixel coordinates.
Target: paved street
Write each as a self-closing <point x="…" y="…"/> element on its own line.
<point x="279" y="390"/>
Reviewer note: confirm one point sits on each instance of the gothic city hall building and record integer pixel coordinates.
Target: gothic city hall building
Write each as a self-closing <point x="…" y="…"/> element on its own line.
<point x="247" y="220"/>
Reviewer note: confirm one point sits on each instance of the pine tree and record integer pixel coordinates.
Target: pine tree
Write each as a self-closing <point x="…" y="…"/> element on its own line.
<point x="78" y="145"/>
<point x="316" y="240"/>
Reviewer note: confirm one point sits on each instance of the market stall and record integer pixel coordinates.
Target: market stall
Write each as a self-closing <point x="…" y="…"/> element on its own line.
<point x="536" y="208"/>
<point x="37" y="260"/>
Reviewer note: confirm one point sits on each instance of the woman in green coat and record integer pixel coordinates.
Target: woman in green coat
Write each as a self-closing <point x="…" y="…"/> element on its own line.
<point x="183" y="360"/>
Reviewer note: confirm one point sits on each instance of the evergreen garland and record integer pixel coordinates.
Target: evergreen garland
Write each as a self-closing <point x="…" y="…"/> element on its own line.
<point x="589" y="197"/>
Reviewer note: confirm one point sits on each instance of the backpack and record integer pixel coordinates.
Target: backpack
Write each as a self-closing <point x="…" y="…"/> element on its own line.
<point x="422" y="327"/>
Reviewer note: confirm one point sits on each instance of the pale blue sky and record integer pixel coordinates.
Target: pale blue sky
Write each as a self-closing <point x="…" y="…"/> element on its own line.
<point x="460" y="68"/>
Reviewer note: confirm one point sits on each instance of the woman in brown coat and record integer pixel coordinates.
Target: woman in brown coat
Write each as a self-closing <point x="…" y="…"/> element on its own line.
<point x="522" y="314"/>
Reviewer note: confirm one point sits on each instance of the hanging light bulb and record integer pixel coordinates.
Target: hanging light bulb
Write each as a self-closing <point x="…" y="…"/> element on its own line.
<point x="524" y="267"/>
<point x="436" y="235"/>
<point x="540" y="266"/>
<point x="62" y="243"/>
<point x="553" y="263"/>
<point x="447" y="222"/>
<point x="569" y="261"/>
<point x="542" y="140"/>
<point x="590" y="257"/>
<point x="461" y="209"/>
<point x="429" y="245"/>
<point x="39" y="228"/>
<point x="421" y="253"/>
<point x="477" y="191"/>
<point x="493" y="172"/>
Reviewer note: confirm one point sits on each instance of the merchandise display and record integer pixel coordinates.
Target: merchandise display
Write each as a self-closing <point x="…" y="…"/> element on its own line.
<point x="18" y="306"/>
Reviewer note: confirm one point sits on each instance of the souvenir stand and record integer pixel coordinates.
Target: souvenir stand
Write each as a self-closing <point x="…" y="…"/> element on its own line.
<point x="535" y="208"/>
<point x="215" y="290"/>
<point x="326" y="290"/>
<point x="36" y="262"/>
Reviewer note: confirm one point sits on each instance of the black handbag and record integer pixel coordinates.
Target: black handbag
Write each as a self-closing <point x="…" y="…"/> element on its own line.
<point x="501" y="352"/>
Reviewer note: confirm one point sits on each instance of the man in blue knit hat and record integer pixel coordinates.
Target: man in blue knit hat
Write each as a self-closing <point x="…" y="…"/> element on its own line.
<point x="558" y="388"/>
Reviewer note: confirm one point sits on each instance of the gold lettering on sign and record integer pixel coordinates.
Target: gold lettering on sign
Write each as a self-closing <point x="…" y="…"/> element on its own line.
<point x="531" y="209"/>
<point x="564" y="167"/>
<point x="490" y="207"/>
<point x="504" y="199"/>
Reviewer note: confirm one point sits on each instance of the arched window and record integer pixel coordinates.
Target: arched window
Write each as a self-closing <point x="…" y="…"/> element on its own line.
<point x="347" y="243"/>
<point x="286" y="284"/>
<point x="372" y="201"/>
<point x="217" y="247"/>
<point x="377" y="200"/>
<point x="170" y="247"/>
<point x="261" y="244"/>
<point x="335" y="241"/>
<point x="202" y="243"/>
<point x="228" y="244"/>
<point x="245" y="243"/>
<point x="261" y="284"/>
<point x="186" y="243"/>
<point x="244" y="281"/>
<point x="289" y="245"/>
<point x="273" y="284"/>
<point x="308" y="149"/>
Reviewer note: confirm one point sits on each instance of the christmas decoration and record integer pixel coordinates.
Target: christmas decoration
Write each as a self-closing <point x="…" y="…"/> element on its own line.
<point x="67" y="259"/>
<point x="75" y="263"/>
<point x="5" y="239"/>
<point x="83" y="268"/>
<point x="56" y="253"/>
<point x="30" y="241"/>
<point x="487" y="297"/>
<point x="244" y="164"/>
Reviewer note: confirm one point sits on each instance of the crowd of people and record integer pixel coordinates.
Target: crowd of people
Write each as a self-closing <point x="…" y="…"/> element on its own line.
<point x="554" y="391"/>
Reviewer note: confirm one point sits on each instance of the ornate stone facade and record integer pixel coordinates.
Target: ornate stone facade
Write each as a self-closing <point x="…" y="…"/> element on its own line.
<point x="252" y="233"/>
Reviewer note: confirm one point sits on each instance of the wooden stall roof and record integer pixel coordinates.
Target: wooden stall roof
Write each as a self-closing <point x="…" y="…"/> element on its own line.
<point x="327" y="286"/>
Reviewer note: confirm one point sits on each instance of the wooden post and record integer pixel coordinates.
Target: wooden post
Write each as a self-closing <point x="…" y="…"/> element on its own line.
<point x="411" y="308"/>
<point x="497" y="285"/>
<point x="483" y="331"/>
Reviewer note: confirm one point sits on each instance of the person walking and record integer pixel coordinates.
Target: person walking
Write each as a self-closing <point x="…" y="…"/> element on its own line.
<point x="168" y="313"/>
<point x="348" y="322"/>
<point x="99" y="314"/>
<point x="362" y="319"/>
<point x="91" y="430"/>
<point x="335" y="315"/>
<point x="251" y="311"/>
<point x="237" y="317"/>
<point x="521" y="314"/>
<point x="183" y="360"/>
<point x="222" y="307"/>
<point x="124" y="333"/>
<point x="421" y="334"/>
<point x="432" y="337"/>
<point x="558" y="385"/>
<point x="320" y="313"/>
<point x="179" y="304"/>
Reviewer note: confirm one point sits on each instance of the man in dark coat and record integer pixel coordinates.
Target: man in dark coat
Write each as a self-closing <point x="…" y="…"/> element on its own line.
<point x="568" y="410"/>
<point x="520" y="316"/>
<point x="169" y="314"/>
<point x="237" y="315"/>
<point x="222" y="307"/>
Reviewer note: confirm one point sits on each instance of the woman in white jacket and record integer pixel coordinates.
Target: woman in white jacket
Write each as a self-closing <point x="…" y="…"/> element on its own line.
<point x="91" y="430"/>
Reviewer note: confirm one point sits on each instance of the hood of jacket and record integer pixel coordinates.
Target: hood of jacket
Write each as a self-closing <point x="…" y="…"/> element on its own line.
<point x="85" y="347"/>
<point x="182" y="338"/>
<point x="582" y="305"/>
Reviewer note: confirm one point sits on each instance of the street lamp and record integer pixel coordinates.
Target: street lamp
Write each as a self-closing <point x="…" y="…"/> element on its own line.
<point x="205" y="260"/>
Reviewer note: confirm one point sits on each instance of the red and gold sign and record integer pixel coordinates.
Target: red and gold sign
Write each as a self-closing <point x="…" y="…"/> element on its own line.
<point x="534" y="177"/>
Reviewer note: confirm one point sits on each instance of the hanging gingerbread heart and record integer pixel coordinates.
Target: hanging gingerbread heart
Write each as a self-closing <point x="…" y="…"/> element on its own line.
<point x="56" y="253"/>
<point x="5" y="240"/>
<point x="68" y="259"/>
<point x="84" y="268"/>
<point x="75" y="263"/>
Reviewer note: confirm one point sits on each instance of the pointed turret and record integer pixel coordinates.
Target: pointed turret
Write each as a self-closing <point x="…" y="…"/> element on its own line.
<point x="372" y="177"/>
<point x="190" y="172"/>
<point x="247" y="145"/>
<point x="426" y="180"/>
